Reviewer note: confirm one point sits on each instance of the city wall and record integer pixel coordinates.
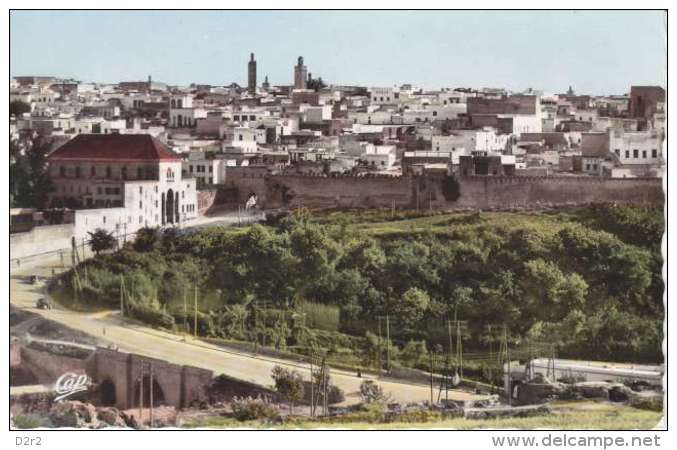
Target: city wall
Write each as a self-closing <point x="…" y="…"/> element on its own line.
<point x="476" y="192"/>
<point x="505" y="192"/>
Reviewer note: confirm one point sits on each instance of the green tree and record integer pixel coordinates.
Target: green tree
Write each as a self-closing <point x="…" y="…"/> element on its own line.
<point x="549" y="293"/>
<point x="17" y="108"/>
<point x="289" y="384"/>
<point x="411" y="306"/>
<point x="101" y="240"/>
<point x="147" y="240"/>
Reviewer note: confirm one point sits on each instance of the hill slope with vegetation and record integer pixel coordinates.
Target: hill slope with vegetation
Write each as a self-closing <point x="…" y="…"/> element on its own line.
<point x="586" y="280"/>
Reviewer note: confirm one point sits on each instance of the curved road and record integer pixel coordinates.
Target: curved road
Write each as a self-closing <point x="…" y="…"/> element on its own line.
<point x="131" y="337"/>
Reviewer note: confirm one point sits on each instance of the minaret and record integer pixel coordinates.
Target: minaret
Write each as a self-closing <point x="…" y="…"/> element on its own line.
<point x="300" y="74"/>
<point x="251" y="78"/>
<point x="266" y="84"/>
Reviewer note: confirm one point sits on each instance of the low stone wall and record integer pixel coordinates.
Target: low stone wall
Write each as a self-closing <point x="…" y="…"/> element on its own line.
<point x="41" y="240"/>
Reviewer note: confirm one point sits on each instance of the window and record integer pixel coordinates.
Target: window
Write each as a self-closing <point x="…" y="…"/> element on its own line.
<point x="627" y="153"/>
<point x="62" y="171"/>
<point x="252" y="118"/>
<point x="140" y="219"/>
<point x="108" y="172"/>
<point x="644" y="154"/>
<point x="587" y="167"/>
<point x="104" y="219"/>
<point x="190" y="169"/>
<point x="139" y="173"/>
<point x="124" y="173"/>
<point x="99" y="190"/>
<point x="140" y="189"/>
<point x="92" y="171"/>
<point x="77" y="172"/>
<point x="211" y="169"/>
<point x="140" y="205"/>
<point x="654" y="153"/>
<point x="618" y="151"/>
<point x="635" y="153"/>
<point x="240" y="137"/>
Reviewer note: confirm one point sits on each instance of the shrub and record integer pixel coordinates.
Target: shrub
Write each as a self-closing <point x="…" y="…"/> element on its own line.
<point x="372" y="392"/>
<point x="253" y="409"/>
<point x="153" y="317"/>
<point x="319" y="316"/>
<point x="26" y="421"/>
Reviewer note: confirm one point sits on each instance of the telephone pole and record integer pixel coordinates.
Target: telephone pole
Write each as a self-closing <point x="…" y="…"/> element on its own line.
<point x="378" y="344"/>
<point x="141" y="398"/>
<point x="388" y="342"/>
<point x="195" y="315"/>
<point x="185" y="310"/>
<point x="152" y="423"/>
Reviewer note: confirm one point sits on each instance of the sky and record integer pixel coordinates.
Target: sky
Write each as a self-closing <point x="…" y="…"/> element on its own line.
<point x="596" y="52"/>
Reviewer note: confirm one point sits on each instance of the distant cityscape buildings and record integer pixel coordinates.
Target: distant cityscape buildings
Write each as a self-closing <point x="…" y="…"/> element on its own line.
<point x="144" y="153"/>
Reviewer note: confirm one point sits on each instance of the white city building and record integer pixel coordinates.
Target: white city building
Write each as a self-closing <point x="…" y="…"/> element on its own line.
<point x="120" y="183"/>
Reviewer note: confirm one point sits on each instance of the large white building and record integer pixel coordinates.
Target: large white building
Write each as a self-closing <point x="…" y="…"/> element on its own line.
<point x="121" y="183"/>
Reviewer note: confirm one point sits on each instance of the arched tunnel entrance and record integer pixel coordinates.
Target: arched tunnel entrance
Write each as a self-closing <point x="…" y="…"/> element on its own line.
<point x="107" y="396"/>
<point x="158" y="393"/>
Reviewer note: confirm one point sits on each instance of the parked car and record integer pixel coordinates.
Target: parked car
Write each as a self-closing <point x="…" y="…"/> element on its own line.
<point x="34" y="279"/>
<point x="43" y="303"/>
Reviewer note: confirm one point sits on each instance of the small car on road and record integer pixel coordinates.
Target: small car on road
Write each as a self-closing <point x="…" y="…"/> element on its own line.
<point x="43" y="303"/>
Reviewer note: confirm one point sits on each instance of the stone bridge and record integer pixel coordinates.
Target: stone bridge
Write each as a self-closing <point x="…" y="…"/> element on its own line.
<point x="117" y="376"/>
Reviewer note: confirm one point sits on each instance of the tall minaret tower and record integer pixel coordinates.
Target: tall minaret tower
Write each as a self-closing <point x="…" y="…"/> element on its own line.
<point x="251" y="75"/>
<point x="300" y="73"/>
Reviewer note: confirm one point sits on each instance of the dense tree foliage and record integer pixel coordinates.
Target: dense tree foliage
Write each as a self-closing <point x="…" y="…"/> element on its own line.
<point x="17" y="108"/>
<point x="587" y="280"/>
<point x="29" y="184"/>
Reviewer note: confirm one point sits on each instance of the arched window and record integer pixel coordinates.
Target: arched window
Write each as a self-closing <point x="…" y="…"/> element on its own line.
<point x="124" y="173"/>
<point x="109" y="172"/>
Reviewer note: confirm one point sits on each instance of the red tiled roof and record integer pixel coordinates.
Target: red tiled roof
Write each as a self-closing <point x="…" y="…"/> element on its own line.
<point x="114" y="147"/>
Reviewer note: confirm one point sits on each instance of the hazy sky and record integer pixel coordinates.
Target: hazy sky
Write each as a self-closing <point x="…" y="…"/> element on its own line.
<point x="596" y="52"/>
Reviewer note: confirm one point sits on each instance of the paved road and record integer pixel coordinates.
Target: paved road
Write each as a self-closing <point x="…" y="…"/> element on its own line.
<point x="128" y="336"/>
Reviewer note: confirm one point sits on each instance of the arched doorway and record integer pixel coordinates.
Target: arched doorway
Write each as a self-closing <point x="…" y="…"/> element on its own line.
<point x="158" y="393"/>
<point x="107" y="394"/>
<point x="176" y="208"/>
<point x="170" y="206"/>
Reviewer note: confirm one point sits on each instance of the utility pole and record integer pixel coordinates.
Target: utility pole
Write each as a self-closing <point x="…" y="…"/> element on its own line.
<point x="312" y="389"/>
<point x="195" y="315"/>
<point x="388" y="342"/>
<point x="378" y="344"/>
<point x="432" y="367"/>
<point x="185" y="311"/>
<point x="152" y="423"/>
<point x="122" y="298"/>
<point x="141" y="398"/>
